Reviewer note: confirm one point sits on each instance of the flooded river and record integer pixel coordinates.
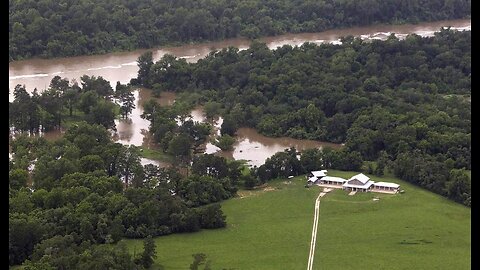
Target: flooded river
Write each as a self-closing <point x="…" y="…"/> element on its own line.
<point x="251" y="146"/>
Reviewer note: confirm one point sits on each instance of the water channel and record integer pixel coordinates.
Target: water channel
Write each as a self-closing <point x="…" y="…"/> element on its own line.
<point x="122" y="66"/>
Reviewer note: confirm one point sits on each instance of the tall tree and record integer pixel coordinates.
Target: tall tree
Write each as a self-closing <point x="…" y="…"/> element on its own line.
<point x="149" y="252"/>
<point x="129" y="165"/>
<point x="145" y="62"/>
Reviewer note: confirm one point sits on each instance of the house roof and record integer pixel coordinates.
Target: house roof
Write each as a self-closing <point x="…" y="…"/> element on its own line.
<point x="312" y="179"/>
<point x="366" y="185"/>
<point x="360" y="177"/>
<point x="319" y="173"/>
<point x="334" y="179"/>
<point x="387" y="184"/>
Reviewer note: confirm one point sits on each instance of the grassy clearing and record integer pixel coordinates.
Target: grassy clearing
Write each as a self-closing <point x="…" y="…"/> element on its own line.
<point x="155" y="154"/>
<point x="413" y="230"/>
<point x="270" y="228"/>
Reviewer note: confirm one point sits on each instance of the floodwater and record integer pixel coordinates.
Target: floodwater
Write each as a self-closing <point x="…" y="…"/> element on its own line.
<point x="122" y="66"/>
<point x="250" y="145"/>
<point x="255" y="148"/>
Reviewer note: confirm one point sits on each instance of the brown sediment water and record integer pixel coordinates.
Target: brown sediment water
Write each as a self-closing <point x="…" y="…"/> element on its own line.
<point x="122" y="66"/>
<point x="255" y="148"/>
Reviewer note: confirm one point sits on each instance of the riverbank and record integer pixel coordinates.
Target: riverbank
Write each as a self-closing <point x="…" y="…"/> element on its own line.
<point x="122" y="66"/>
<point x="239" y="38"/>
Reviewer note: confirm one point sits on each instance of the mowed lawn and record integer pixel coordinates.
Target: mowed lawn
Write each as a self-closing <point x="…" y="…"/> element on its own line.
<point x="414" y="230"/>
<point x="270" y="228"/>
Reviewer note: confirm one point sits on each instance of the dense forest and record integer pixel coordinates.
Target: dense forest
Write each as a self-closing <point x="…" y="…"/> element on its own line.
<point x="83" y="189"/>
<point x="68" y="195"/>
<point x="49" y="28"/>
<point x="402" y="103"/>
<point x="95" y="101"/>
<point x="398" y="105"/>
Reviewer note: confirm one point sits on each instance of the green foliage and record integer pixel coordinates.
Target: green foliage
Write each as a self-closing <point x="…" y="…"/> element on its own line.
<point x="211" y="109"/>
<point x="180" y="147"/>
<point x="433" y="225"/>
<point x="249" y="181"/>
<point x="51" y="29"/>
<point x="24" y="232"/>
<point x="103" y="113"/>
<point x="87" y="101"/>
<point x="211" y="165"/>
<point x="28" y="265"/>
<point x="287" y="163"/>
<point x="89" y="190"/>
<point x="145" y="62"/>
<point x="229" y="126"/>
<point x="64" y="253"/>
<point x="91" y="163"/>
<point x="212" y="217"/>
<point x="225" y="142"/>
<point x="198" y="260"/>
<point x="126" y="98"/>
<point x="459" y="187"/>
<point x="381" y="99"/>
<point x="47" y="111"/>
<point x="149" y="254"/>
<point x="311" y="159"/>
<point x="200" y="190"/>
<point x="282" y="164"/>
<point x="17" y="178"/>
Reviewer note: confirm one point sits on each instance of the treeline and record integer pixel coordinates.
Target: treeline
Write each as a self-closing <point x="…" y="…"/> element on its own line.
<point x="94" y="101"/>
<point x="416" y="168"/>
<point x="290" y="162"/>
<point x="89" y="190"/>
<point x="393" y="97"/>
<point x="49" y="28"/>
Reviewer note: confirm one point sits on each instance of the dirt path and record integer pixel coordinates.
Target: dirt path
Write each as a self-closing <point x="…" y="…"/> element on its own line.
<point x="314" y="232"/>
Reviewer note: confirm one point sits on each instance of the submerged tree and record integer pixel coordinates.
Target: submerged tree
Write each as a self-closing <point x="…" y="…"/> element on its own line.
<point x="124" y="94"/>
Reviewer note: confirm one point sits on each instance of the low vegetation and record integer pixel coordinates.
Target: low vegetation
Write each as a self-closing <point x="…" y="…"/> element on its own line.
<point x="273" y="223"/>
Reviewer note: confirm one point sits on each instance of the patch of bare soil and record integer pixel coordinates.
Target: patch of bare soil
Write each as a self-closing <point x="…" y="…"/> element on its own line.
<point x="247" y="193"/>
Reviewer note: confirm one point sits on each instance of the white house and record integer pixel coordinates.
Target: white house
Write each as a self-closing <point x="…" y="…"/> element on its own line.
<point x="359" y="182"/>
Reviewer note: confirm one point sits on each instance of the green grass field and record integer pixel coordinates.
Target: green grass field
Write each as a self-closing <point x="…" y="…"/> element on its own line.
<point x="270" y="228"/>
<point x="156" y="154"/>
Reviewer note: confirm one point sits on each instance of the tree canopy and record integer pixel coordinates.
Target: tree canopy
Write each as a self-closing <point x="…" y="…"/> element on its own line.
<point x="67" y="28"/>
<point x="393" y="101"/>
<point x="89" y="190"/>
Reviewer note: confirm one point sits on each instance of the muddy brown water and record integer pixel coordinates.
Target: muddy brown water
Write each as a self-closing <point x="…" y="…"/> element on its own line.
<point x="255" y="148"/>
<point x="122" y="66"/>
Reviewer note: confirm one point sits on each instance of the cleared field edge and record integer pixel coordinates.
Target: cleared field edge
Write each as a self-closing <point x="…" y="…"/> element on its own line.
<point x="236" y="211"/>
